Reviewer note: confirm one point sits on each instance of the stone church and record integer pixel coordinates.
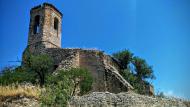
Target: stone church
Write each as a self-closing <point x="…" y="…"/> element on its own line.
<point x="45" y="37"/>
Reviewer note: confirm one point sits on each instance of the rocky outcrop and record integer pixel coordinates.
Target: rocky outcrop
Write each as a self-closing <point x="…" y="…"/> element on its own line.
<point x="106" y="99"/>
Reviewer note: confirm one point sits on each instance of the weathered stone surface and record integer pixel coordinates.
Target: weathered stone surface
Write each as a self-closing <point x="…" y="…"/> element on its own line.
<point x="45" y="38"/>
<point x="42" y="33"/>
<point x="104" y="99"/>
<point x="20" y="102"/>
<point x="128" y="99"/>
<point x="104" y="70"/>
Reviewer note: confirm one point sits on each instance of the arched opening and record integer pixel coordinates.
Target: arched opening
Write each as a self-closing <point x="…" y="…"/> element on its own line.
<point x="37" y="24"/>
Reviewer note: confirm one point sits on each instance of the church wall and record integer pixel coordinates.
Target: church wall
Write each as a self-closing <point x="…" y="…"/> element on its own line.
<point x="64" y="58"/>
<point x="103" y="69"/>
<point x="92" y="60"/>
<point x="105" y="78"/>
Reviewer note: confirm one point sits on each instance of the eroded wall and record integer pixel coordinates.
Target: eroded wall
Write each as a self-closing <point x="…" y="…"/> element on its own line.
<point x="103" y="69"/>
<point x="93" y="61"/>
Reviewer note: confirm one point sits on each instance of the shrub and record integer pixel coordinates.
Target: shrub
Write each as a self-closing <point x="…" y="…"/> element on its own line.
<point x="15" y="75"/>
<point x="80" y="78"/>
<point x="62" y="85"/>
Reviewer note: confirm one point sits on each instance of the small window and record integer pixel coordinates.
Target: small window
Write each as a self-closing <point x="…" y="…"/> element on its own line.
<point x="37" y="24"/>
<point x="56" y="22"/>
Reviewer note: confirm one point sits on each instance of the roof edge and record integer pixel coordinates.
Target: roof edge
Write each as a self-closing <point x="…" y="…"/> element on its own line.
<point x="47" y="4"/>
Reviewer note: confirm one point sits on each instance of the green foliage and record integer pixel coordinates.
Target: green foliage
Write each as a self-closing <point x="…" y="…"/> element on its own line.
<point x="80" y="77"/>
<point x="130" y="77"/>
<point x="12" y="75"/>
<point x="133" y="80"/>
<point x="35" y="69"/>
<point x="63" y="84"/>
<point x="124" y="57"/>
<point x="57" y="90"/>
<point x="135" y="70"/>
<point x="41" y="64"/>
<point x="143" y="70"/>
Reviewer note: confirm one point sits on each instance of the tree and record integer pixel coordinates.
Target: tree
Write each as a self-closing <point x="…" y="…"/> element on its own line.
<point x="135" y="70"/>
<point x="142" y="69"/>
<point x="124" y="57"/>
<point x="40" y="64"/>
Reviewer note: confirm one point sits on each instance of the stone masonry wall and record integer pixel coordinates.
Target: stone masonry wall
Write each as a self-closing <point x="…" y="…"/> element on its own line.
<point x="105" y="75"/>
<point x="47" y="40"/>
<point x="106" y="99"/>
<point x="103" y="69"/>
<point x="47" y="37"/>
<point x="64" y="58"/>
<point x="92" y="60"/>
<point x="49" y="33"/>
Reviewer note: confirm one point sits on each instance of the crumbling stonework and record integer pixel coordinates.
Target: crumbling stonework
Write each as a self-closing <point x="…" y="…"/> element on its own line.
<point x="45" y="38"/>
<point x="128" y="99"/>
<point x="104" y="99"/>
<point x="105" y="74"/>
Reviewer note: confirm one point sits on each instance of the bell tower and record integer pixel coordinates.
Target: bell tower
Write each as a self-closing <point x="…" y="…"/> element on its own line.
<point x="44" y="28"/>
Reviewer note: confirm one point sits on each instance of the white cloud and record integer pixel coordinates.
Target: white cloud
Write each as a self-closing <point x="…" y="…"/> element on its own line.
<point x="171" y="93"/>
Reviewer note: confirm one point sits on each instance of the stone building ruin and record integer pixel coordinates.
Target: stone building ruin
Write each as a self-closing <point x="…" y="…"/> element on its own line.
<point x="45" y="37"/>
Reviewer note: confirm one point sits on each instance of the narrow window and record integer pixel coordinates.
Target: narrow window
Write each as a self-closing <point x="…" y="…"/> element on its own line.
<point x="56" y="23"/>
<point x="37" y="24"/>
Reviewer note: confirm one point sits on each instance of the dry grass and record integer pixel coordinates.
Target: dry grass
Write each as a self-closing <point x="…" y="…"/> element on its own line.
<point x="18" y="90"/>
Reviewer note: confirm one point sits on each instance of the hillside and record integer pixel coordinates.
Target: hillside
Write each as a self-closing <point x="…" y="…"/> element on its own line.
<point x="103" y="99"/>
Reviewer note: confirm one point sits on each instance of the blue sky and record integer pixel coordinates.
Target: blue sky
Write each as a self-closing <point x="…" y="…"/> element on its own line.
<point x="156" y="30"/>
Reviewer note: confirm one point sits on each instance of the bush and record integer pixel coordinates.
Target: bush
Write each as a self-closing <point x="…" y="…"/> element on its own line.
<point x="35" y="69"/>
<point x="61" y="86"/>
<point x="56" y="91"/>
<point x="86" y="83"/>
<point x="12" y="75"/>
<point x="80" y="78"/>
